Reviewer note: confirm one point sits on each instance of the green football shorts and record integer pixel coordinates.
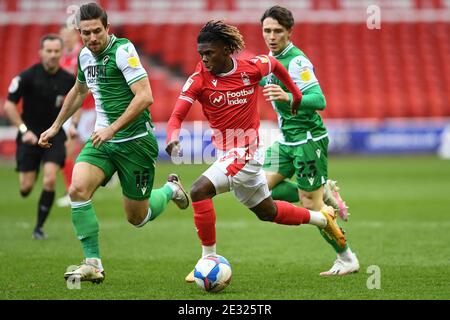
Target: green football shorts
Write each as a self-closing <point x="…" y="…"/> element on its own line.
<point x="134" y="161"/>
<point x="307" y="161"/>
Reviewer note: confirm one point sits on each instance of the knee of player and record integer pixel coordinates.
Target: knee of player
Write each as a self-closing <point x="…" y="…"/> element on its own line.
<point x="49" y="182"/>
<point x="26" y="188"/>
<point x="78" y="193"/>
<point x="25" y="192"/>
<point x="265" y="212"/>
<point x="137" y="218"/>
<point x="199" y="192"/>
<point x="135" y="221"/>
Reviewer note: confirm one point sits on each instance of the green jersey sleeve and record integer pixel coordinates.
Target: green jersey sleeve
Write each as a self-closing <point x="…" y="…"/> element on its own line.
<point x="302" y="72"/>
<point x="80" y="74"/>
<point x="312" y="99"/>
<point x="129" y="63"/>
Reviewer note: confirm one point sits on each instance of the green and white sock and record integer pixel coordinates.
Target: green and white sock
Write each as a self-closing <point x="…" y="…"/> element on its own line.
<point x="86" y="227"/>
<point x="159" y="199"/>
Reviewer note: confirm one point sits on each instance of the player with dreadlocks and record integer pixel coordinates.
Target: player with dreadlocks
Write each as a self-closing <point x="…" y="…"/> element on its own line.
<point x="227" y="89"/>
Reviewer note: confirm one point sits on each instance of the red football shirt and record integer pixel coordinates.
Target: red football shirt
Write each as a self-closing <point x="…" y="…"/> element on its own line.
<point x="229" y="100"/>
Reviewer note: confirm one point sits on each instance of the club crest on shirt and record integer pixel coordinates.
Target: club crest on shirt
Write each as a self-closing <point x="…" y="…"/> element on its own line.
<point x="105" y="60"/>
<point x="245" y="78"/>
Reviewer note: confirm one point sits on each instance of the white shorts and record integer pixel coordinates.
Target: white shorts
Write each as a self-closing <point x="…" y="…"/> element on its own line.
<point x="242" y="173"/>
<point x="85" y="126"/>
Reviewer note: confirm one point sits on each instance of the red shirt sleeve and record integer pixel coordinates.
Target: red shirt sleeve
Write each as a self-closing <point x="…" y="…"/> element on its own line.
<point x="283" y="75"/>
<point x="268" y="64"/>
<point x="264" y="64"/>
<point x="188" y="95"/>
<point x="179" y="113"/>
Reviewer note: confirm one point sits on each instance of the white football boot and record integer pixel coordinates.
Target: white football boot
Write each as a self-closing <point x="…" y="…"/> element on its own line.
<point x="332" y="198"/>
<point x="180" y="196"/>
<point x="87" y="271"/>
<point x="342" y="267"/>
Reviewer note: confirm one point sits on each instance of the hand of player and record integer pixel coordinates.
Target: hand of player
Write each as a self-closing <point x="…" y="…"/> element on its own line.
<point x="46" y="136"/>
<point x="274" y="92"/>
<point x="102" y="135"/>
<point x="29" y="138"/>
<point x="173" y="149"/>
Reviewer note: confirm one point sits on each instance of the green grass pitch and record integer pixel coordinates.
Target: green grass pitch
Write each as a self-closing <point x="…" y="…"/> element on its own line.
<point x="400" y="222"/>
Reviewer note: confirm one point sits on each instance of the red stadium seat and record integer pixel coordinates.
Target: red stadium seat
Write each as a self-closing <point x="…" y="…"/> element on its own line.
<point x="402" y="70"/>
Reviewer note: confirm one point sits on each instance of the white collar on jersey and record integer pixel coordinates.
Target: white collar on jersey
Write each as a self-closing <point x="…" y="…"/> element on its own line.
<point x="231" y="71"/>
<point x="289" y="47"/>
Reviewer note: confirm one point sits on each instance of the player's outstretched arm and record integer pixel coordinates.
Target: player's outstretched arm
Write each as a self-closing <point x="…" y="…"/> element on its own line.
<point x="281" y="73"/>
<point x="74" y="121"/>
<point x="72" y="103"/>
<point x="143" y="98"/>
<point x="179" y="113"/>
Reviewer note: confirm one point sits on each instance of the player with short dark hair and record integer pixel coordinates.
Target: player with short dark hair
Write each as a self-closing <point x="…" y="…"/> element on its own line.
<point x="42" y="87"/>
<point x="81" y="125"/>
<point x="303" y="148"/>
<point x="123" y="140"/>
<point x="227" y="89"/>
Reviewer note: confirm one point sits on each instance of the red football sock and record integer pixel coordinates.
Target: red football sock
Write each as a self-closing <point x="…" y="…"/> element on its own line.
<point x="289" y="214"/>
<point x="205" y="221"/>
<point x="67" y="172"/>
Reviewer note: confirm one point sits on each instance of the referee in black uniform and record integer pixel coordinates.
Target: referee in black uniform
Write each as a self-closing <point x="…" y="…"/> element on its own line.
<point x="42" y="87"/>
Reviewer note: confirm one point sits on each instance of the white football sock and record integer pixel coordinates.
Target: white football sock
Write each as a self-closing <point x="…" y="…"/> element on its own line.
<point x="347" y="255"/>
<point x="208" y="250"/>
<point x="317" y="219"/>
<point x="172" y="186"/>
<point x="95" y="261"/>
